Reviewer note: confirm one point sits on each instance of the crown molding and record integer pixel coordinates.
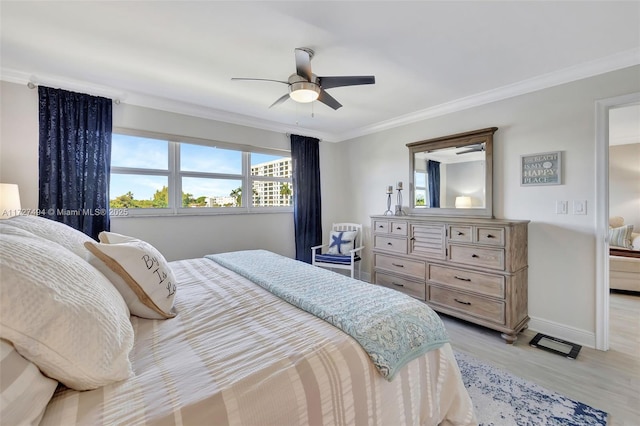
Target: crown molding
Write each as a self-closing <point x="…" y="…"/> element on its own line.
<point x="615" y="62"/>
<point x="157" y="102"/>
<point x="624" y="140"/>
<point x="577" y="72"/>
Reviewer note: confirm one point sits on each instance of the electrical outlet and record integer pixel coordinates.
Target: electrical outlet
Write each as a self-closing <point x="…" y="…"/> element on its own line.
<point x="562" y="207"/>
<point x="579" y="206"/>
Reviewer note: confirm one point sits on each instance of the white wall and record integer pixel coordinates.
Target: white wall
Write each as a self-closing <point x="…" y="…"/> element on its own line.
<point x="356" y="173"/>
<point x="624" y="183"/>
<point x="175" y="237"/>
<point x="561" y="247"/>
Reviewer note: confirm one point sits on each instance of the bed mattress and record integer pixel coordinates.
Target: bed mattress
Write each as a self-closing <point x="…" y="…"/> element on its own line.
<point x="236" y="354"/>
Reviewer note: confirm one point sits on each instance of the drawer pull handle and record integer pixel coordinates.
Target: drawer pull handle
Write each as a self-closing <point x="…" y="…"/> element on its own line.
<point x="399" y="228"/>
<point x="460" y="233"/>
<point x="461" y="279"/>
<point x="397" y="284"/>
<point x="474" y="255"/>
<point x="398" y="265"/>
<point x="464" y="303"/>
<point x="413" y="238"/>
<point x="490" y="236"/>
<point x="389" y="244"/>
<point x="380" y="226"/>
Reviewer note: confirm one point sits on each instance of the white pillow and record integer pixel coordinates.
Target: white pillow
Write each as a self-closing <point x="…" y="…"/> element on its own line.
<point x="24" y="390"/>
<point x="341" y="242"/>
<point x="616" y="221"/>
<point x="139" y="272"/>
<point x="61" y="313"/>
<point x="51" y="230"/>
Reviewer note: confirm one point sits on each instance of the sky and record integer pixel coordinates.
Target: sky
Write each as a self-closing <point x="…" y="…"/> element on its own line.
<point x="144" y="153"/>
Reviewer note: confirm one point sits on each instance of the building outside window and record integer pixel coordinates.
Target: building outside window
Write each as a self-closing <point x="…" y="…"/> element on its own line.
<point x="155" y="175"/>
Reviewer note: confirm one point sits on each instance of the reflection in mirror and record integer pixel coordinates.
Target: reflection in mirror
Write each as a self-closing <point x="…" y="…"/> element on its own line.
<point x="452" y="175"/>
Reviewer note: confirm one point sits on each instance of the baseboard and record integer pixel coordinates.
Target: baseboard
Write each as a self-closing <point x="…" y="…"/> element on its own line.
<point x="564" y="332"/>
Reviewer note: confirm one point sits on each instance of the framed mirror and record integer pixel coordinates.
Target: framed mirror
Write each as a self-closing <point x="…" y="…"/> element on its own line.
<point x="452" y="175"/>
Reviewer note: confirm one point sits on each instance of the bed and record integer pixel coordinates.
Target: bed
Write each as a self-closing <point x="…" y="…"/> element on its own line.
<point x="223" y="350"/>
<point x="624" y="256"/>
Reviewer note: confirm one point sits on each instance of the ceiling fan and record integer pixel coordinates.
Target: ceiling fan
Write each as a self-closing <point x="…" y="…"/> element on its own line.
<point x="304" y="86"/>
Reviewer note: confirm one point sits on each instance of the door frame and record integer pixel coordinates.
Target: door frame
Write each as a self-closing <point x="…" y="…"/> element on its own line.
<point x="602" y="212"/>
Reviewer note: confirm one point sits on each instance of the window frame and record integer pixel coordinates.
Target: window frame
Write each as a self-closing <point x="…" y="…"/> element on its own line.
<point x="174" y="177"/>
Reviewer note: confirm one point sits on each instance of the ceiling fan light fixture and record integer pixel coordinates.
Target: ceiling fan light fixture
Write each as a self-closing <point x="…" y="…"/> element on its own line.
<point x="304" y="91"/>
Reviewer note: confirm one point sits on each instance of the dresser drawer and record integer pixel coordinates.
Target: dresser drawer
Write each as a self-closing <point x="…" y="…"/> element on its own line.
<point x="399" y="228"/>
<point x="381" y="226"/>
<point x="461" y="234"/>
<point x="485" y="284"/>
<point x="493" y="236"/>
<point x="411" y="288"/>
<point x="396" y="245"/>
<point x="477" y="306"/>
<point x="477" y="256"/>
<point x="401" y="266"/>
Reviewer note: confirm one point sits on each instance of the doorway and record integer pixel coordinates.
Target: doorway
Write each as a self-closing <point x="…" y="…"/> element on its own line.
<point x="603" y="108"/>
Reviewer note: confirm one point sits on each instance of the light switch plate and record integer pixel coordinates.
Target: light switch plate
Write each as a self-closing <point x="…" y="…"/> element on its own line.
<point x="579" y="206"/>
<point x="562" y="207"/>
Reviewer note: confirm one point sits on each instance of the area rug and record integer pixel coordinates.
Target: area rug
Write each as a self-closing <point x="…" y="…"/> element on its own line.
<point x="500" y="398"/>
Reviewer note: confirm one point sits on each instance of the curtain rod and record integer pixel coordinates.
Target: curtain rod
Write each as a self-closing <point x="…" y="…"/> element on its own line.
<point x="32" y="85"/>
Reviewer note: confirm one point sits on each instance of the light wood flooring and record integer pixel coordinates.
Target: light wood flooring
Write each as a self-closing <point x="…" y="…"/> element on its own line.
<point x="609" y="381"/>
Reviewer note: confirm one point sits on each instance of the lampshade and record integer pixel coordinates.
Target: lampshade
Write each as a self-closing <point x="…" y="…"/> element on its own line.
<point x="9" y="200"/>
<point x="463" y="202"/>
<point x="304" y="91"/>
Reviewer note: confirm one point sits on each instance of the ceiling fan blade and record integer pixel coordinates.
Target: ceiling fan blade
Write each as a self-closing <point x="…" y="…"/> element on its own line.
<point x="303" y="63"/>
<point x="259" y="79"/>
<point x="356" y="80"/>
<point x="472" y="148"/>
<point x="280" y="100"/>
<point x="328" y="100"/>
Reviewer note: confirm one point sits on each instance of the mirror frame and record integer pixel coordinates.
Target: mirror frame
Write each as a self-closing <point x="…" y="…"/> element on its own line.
<point x="458" y="140"/>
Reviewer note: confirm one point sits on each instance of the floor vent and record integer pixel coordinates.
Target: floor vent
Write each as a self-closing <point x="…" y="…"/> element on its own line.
<point x="555" y="345"/>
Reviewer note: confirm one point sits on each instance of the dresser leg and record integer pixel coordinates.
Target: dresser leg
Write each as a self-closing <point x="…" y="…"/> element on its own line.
<point x="510" y="338"/>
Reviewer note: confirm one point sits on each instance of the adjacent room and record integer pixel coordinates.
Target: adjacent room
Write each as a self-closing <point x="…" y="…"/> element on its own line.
<point x="312" y="212"/>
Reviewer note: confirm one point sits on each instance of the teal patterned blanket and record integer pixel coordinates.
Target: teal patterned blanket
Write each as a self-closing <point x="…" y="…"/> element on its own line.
<point x="391" y="327"/>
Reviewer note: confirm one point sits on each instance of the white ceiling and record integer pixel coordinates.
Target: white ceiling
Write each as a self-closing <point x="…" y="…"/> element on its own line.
<point x="428" y="57"/>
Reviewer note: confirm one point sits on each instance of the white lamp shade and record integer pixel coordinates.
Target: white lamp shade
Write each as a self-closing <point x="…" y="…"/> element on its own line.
<point x="463" y="202"/>
<point x="9" y="200"/>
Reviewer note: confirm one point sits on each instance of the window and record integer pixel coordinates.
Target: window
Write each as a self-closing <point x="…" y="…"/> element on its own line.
<point x="159" y="176"/>
<point x="420" y="191"/>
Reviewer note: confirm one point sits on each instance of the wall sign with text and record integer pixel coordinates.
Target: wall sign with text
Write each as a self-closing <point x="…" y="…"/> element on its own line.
<point x="541" y="169"/>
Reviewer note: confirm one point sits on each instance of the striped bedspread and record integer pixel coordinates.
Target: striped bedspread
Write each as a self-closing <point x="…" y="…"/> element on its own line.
<point x="237" y="355"/>
<point x="393" y="328"/>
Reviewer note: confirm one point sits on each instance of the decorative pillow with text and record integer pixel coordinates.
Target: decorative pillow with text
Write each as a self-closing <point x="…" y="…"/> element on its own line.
<point x="139" y="272"/>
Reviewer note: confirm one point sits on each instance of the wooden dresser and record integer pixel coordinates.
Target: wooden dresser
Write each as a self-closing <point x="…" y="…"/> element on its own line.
<point x="473" y="269"/>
